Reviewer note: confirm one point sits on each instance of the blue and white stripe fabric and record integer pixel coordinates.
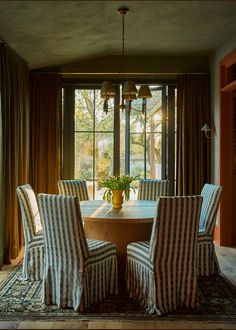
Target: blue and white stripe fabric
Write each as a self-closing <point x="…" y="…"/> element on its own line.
<point x="151" y="189"/>
<point x="34" y="244"/>
<point x="74" y="188"/>
<point x="78" y="272"/>
<point x="162" y="273"/>
<point x="207" y="260"/>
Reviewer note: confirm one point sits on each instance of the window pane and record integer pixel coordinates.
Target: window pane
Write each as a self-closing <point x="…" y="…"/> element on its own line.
<point x="84" y="109"/>
<point x="137" y="154"/>
<point x="154" y="121"/>
<point x="154" y="112"/>
<point x="137" y="122"/>
<point x="154" y="155"/>
<point x="103" y="121"/>
<point x="103" y="155"/>
<point x="103" y="159"/>
<point x="83" y="156"/>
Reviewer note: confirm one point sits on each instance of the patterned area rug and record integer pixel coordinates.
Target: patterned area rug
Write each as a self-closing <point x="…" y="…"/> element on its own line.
<point x="22" y="301"/>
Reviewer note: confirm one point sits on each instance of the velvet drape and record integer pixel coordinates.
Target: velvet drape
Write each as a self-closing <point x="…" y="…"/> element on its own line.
<point x="14" y="148"/>
<point x="193" y="148"/>
<point x="45" y="106"/>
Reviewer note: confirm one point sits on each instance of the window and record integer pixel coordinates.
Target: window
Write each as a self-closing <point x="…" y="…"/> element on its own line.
<point x="94" y="135"/>
<point x="96" y="144"/>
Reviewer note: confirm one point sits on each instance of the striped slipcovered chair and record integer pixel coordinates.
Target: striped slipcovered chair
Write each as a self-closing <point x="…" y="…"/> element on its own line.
<point x="78" y="272"/>
<point x="161" y="274"/>
<point x="151" y="189"/>
<point x="34" y="243"/>
<point x="74" y="188"/>
<point x="207" y="259"/>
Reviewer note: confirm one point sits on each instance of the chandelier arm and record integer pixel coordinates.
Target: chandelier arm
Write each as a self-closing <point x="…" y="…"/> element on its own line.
<point x="137" y="110"/>
<point x="109" y="109"/>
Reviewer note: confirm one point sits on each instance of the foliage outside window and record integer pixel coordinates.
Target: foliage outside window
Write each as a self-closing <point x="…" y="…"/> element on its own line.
<point x="94" y="136"/>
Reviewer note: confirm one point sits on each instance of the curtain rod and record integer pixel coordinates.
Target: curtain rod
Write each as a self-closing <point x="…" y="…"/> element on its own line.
<point x="118" y="73"/>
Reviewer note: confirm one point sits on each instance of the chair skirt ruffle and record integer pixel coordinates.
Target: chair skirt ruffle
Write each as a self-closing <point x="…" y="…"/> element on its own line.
<point x="100" y="279"/>
<point x="84" y="289"/>
<point x="33" y="260"/>
<point x="207" y="260"/>
<point x="141" y="285"/>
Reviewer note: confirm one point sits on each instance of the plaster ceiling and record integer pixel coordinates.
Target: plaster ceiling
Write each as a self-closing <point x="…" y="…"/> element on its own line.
<point x="47" y="33"/>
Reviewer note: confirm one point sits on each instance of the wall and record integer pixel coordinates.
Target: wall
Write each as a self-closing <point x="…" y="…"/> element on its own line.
<point x="218" y="55"/>
<point x="140" y="67"/>
<point x="222" y="51"/>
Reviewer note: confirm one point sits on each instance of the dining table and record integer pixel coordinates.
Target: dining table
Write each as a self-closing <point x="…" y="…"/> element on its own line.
<point x="131" y="223"/>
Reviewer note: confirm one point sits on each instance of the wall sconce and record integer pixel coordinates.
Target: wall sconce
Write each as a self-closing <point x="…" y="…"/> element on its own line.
<point x="209" y="132"/>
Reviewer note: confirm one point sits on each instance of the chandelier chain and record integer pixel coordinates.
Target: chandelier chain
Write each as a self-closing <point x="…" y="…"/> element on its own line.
<point x="123" y="45"/>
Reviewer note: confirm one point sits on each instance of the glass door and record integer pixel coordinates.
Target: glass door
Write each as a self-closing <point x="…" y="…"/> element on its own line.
<point x="96" y="144"/>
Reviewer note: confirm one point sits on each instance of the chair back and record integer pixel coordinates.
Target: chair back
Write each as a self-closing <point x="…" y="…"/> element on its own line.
<point x="29" y="211"/>
<point x="66" y="250"/>
<point x="74" y="188"/>
<point x="173" y="250"/>
<point x="211" y="199"/>
<point x="63" y="229"/>
<point x="151" y="189"/>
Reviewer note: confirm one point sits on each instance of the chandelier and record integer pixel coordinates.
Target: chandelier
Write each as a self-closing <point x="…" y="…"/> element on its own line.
<point x="129" y="91"/>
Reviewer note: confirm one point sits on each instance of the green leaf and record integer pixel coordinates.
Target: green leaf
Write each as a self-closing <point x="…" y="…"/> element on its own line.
<point x="118" y="182"/>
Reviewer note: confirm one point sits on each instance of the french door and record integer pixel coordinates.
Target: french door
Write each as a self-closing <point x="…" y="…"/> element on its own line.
<point x="96" y="144"/>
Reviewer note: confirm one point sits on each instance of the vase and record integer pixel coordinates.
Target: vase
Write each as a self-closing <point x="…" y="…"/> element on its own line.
<point x="117" y="198"/>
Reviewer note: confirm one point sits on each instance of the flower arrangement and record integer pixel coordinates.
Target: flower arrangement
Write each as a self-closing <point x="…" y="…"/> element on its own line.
<point x="117" y="182"/>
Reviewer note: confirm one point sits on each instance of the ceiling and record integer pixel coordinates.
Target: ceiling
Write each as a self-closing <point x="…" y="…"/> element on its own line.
<point x="48" y="33"/>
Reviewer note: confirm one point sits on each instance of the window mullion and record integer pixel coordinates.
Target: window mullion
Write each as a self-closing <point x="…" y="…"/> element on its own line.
<point x="164" y="133"/>
<point x="171" y="138"/>
<point x="127" y="143"/>
<point x="116" y="130"/>
<point x="94" y="143"/>
<point x="68" y="134"/>
<point x="145" y="144"/>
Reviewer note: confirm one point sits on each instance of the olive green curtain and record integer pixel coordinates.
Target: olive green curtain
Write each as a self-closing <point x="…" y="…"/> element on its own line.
<point x="14" y="148"/>
<point x="45" y="106"/>
<point x="193" y="148"/>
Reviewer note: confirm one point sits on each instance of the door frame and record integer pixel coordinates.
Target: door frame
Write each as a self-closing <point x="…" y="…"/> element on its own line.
<point x="227" y="223"/>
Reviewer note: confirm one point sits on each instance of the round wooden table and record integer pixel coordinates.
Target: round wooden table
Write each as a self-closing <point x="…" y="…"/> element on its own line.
<point x="131" y="223"/>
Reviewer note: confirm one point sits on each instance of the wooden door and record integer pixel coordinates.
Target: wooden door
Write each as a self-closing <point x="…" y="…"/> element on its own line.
<point x="228" y="149"/>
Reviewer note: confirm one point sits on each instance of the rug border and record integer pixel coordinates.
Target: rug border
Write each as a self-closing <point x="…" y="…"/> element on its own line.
<point x="123" y="317"/>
